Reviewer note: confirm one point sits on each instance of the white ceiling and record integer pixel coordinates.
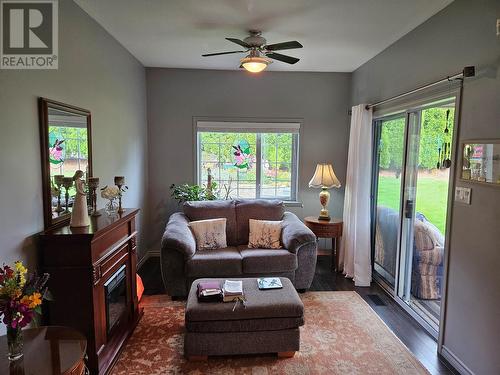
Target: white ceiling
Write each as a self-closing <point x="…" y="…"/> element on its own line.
<point x="337" y="35"/>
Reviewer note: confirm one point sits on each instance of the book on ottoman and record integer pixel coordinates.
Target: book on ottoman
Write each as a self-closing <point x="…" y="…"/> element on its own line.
<point x="232" y="290"/>
<point x="269" y="283"/>
<point x="209" y="291"/>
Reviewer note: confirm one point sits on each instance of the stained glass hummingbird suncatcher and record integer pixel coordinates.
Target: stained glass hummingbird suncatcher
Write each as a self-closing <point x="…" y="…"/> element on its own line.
<point x="241" y="154"/>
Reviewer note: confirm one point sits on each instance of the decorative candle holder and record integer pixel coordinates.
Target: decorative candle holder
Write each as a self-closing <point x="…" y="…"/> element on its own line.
<point x="93" y="184"/>
<point x="120" y="181"/>
<point x="67" y="182"/>
<point x="58" y="181"/>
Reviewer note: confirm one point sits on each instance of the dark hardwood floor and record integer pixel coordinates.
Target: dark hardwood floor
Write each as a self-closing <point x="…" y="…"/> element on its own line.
<point x="150" y="274"/>
<point x="420" y="343"/>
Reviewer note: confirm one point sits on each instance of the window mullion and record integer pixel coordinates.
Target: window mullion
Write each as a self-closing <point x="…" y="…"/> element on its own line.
<point x="276" y="165"/>
<point x="218" y="162"/>
<point x="294" y="166"/>
<point x="199" y="159"/>
<point x="258" y="161"/>
<point x="237" y="182"/>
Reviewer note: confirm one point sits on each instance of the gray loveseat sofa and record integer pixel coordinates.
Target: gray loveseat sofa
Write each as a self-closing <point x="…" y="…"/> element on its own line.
<point x="181" y="263"/>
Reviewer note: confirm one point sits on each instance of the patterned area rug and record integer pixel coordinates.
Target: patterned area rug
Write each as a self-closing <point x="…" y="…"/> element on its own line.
<point x="342" y="335"/>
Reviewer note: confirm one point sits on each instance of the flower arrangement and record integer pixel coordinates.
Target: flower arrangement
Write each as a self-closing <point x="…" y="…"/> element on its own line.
<point x="20" y="302"/>
<point x="110" y="192"/>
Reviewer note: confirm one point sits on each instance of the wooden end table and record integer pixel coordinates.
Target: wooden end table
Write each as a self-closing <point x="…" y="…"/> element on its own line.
<point x="327" y="229"/>
<point x="47" y="350"/>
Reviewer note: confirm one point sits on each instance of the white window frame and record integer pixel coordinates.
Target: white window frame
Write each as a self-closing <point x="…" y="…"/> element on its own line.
<point x="258" y="126"/>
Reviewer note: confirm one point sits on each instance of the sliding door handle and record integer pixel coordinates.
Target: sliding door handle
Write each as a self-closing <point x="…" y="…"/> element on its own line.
<point x="409" y="205"/>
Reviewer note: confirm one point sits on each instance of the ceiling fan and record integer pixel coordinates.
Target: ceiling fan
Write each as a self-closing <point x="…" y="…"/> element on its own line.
<point x="260" y="54"/>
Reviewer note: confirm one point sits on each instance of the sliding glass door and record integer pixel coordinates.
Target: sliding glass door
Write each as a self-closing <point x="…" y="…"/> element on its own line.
<point x="410" y="204"/>
<point x="391" y="146"/>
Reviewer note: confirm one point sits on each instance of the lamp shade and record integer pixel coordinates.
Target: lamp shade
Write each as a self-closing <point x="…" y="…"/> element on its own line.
<point x="324" y="177"/>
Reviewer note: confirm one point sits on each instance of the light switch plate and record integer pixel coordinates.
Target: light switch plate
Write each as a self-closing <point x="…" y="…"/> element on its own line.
<point x="462" y="194"/>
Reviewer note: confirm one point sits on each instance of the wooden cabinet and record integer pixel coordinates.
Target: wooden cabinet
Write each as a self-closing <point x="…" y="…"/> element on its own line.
<point x="93" y="282"/>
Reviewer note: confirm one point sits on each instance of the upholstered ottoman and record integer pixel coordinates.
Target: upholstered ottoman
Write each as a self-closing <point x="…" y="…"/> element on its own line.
<point x="268" y="323"/>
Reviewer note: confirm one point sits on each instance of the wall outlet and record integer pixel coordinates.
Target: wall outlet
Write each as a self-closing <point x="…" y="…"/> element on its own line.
<point x="462" y="194"/>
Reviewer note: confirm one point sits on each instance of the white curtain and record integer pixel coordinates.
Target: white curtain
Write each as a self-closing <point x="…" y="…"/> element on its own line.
<point x="355" y="248"/>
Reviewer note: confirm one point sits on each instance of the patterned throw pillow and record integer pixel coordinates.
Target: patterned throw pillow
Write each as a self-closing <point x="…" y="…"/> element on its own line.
<point x="209" y="234"/>
<point x="264" y="234"/>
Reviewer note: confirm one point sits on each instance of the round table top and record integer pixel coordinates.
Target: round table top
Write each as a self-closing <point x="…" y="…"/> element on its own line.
<point x="315" y="220"/>
<point x="47" y="350"/>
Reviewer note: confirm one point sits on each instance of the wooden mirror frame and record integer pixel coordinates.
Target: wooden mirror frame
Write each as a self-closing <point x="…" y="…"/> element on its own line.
<point x="44" y="105"/>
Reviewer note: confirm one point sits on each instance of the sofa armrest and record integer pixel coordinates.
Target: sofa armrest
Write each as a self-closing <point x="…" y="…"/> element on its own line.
<point x="295" y="234"/>
<point x="178" y="236"/>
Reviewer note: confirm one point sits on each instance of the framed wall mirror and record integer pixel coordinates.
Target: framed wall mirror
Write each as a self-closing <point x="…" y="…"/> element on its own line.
<point x="481" y="161"/>
<point x="66" y="146"/>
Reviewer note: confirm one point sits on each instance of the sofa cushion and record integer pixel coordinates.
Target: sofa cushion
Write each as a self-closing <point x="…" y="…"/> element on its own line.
<point x="264" y="234"/>
<point x="260" y="209"/>
<point x="210" y="234"/>
<point x="265" y="261"/>
<point x="215" y="263"/>
<point x="214" y="209"/>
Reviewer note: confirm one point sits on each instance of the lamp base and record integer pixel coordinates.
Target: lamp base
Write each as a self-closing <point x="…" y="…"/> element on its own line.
<point x="324" y="215"/>
<point x="324" y="197"/>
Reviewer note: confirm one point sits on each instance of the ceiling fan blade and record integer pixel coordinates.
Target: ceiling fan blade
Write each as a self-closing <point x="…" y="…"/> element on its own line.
<point x="284" y="58"/>
<point x="285" y="45"/>
<point x="240" y="42"/>
<point x="221" y="53"/>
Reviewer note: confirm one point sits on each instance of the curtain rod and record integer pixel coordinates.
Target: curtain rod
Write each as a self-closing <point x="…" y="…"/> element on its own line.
<point x="468" y="71"/>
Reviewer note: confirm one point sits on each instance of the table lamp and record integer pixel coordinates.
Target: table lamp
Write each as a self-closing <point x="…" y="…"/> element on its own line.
<point x="324" y="178"/>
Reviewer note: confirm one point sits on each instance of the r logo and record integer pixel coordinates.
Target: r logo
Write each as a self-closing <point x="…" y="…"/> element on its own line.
<point x="29" y="28"/>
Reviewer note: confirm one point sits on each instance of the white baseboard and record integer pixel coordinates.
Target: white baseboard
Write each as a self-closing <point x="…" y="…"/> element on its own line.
<point x="149" y="254"/>
<point x="455" y="361"/>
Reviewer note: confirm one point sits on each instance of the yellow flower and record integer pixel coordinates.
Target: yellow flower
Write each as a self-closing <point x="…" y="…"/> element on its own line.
<point x="36" y="299"/>
<point x="32" y="301"/>
<point x="21" y="270"/>
<point x="11" y="291"/>
<point x="25" y="300"/>
<point x="20" y="267"/>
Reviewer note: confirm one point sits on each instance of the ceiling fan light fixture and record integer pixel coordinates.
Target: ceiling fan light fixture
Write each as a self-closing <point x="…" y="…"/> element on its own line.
<point x="259" y="53"/>
<point x="255" y="64"/>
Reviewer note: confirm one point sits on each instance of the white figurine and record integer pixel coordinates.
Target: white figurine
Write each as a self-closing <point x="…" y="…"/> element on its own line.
<point x="79" y="215"/>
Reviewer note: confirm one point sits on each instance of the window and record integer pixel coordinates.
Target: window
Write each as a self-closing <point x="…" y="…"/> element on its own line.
<point x="249" y="160"/>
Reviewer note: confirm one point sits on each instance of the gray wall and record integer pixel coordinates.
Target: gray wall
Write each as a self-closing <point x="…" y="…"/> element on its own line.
<point x="175" y="96"/>
<point x="462" y="34"/>
<point x="96" y="73"/>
